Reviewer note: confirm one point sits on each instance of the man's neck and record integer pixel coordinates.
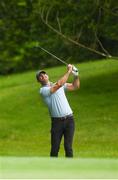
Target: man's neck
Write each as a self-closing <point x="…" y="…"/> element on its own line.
<point x="46" y="83"/>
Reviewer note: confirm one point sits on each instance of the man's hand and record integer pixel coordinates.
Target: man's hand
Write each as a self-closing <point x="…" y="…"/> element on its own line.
<point x="75" y="71"/>
<point x="70" y="68"/>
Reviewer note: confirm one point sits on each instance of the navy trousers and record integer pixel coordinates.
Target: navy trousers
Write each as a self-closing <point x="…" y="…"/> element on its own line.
<point x="62" y="127"/>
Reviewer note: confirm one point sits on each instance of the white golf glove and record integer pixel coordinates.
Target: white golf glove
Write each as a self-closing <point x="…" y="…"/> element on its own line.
<point x="75" y="71"/>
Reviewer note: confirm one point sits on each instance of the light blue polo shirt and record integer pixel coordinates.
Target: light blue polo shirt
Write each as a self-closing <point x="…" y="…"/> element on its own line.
<point x="57" y="102"/>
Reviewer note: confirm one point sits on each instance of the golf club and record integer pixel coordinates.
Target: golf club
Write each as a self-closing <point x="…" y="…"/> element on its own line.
<point x="62" y="61"/>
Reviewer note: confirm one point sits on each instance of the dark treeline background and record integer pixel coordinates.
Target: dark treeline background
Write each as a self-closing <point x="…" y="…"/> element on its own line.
<point x="21" y="27"/>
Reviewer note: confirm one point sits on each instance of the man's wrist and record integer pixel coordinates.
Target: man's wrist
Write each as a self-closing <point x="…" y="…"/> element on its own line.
<point x="76" y="76"/>
<point x="69" y="71"/>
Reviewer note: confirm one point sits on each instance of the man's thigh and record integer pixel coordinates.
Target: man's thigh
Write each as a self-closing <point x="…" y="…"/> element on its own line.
<point x="56" y="131"/>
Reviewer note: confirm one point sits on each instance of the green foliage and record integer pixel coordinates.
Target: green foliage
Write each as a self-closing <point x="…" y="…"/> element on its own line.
<point x="81" y="20"/>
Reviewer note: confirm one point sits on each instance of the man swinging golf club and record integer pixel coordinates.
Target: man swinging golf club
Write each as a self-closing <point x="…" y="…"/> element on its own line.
<point x="62" y="122"/>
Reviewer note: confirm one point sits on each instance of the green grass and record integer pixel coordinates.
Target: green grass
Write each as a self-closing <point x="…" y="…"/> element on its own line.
<point x="25" y="123"/>
<point x="61" y="168"/>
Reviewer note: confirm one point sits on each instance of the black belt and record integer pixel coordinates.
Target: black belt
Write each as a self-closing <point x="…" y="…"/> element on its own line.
<point x="62" y="118"/>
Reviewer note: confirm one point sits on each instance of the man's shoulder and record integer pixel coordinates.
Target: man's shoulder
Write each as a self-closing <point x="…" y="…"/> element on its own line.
<point x="45" y="90"/>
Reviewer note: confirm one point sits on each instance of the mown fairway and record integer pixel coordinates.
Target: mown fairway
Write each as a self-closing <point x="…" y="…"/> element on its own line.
<point x="25" y="123"/>
<point x="61" y="168"/>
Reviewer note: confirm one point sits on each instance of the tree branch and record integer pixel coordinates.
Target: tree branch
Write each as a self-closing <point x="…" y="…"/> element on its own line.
<point x="59" y="25"/>
<point x="59" y="32"/>
<point x="102" y="45"/>
<point x="109" y="11"/>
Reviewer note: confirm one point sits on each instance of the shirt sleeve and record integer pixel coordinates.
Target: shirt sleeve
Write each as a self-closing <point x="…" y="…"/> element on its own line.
<point x="65" y="87"/>
<point x="45" y="91"/>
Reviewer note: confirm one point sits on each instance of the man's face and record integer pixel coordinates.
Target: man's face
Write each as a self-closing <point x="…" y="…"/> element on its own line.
<point x="44" y="77"/>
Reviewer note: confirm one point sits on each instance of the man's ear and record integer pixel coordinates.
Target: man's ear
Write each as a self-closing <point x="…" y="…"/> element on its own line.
<point x="40" y="77"/>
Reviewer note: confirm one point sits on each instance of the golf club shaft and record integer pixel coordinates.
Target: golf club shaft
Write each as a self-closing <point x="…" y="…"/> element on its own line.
<point x="52" y="55"/>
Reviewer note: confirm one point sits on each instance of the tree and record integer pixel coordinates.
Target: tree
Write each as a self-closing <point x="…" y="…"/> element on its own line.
<point x="91" y="23"/>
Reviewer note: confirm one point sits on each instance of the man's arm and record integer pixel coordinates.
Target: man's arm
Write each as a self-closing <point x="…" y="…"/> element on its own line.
<point x="74" y="85"/>
<point x="63" y="80"/>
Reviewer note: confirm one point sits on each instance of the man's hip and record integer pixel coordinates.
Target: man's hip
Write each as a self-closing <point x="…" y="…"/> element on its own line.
<point x="67" y="117"/>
